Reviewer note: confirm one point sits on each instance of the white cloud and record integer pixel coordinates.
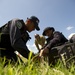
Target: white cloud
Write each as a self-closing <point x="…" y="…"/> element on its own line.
<point x="69" y="27"/>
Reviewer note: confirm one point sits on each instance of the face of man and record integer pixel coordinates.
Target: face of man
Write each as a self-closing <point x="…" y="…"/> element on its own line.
<point x="49" y="33"/>
<point x="30" y="26"/>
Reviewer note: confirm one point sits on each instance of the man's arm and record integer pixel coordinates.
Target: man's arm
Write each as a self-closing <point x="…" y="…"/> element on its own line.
<point x="56" y="39"/>
<point x="52" y="43"/>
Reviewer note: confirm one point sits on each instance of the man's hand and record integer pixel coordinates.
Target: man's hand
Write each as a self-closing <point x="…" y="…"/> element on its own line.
<point x="44" y="52"/>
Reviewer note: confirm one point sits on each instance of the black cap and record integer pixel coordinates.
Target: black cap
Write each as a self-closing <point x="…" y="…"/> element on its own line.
<point x="36" y="21"/>
<point x="47" y="28"/>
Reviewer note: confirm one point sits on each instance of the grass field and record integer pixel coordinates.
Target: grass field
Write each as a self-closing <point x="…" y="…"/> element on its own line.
<point x="34" y="68"/>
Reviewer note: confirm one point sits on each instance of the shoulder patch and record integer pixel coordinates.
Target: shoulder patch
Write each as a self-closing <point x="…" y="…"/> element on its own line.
<point x="19" y="24"/>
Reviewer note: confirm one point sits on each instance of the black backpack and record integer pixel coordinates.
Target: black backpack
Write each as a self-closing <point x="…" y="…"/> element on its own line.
<point x="66" y="53"/>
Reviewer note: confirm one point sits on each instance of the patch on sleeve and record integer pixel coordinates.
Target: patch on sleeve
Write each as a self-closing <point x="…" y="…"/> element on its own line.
<point x="19" y="25"/>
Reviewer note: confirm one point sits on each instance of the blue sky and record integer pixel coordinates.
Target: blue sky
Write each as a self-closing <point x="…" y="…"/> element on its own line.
<point x="57" y="13"/>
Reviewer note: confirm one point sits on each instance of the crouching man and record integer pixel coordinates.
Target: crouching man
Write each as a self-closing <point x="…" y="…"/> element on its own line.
<point x="55" y="38"/>
<point x="14" y="36"/>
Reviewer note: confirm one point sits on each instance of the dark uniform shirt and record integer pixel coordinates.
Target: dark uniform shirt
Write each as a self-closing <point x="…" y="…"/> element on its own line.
<point x="18" y="36"/>
<point x="57" y="39"/>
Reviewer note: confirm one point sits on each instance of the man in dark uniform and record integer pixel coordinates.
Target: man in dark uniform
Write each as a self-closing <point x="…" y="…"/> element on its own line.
<point x="14" y="36"/>
<point x="55" y="38"/>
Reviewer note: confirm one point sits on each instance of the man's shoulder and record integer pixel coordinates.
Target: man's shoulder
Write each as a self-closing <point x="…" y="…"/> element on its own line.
<point x="17" y="19"/>
<point x="18" y="22"/>
<point x="57" y="32"/>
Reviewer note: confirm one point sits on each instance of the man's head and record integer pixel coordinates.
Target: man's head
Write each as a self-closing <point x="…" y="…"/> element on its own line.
<point x="32" y="23"/>
<point x="48" y="31"/>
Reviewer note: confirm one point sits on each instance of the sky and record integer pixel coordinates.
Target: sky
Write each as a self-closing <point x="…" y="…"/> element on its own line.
<point x="59" y="14"/>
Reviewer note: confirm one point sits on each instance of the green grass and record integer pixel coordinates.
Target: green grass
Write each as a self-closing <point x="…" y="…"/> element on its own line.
<point x="34" y="68"/>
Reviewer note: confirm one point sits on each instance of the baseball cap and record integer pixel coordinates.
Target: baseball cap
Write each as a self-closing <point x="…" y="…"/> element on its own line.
<point x="47" y="28"/>
<point x="36" y="21"/>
